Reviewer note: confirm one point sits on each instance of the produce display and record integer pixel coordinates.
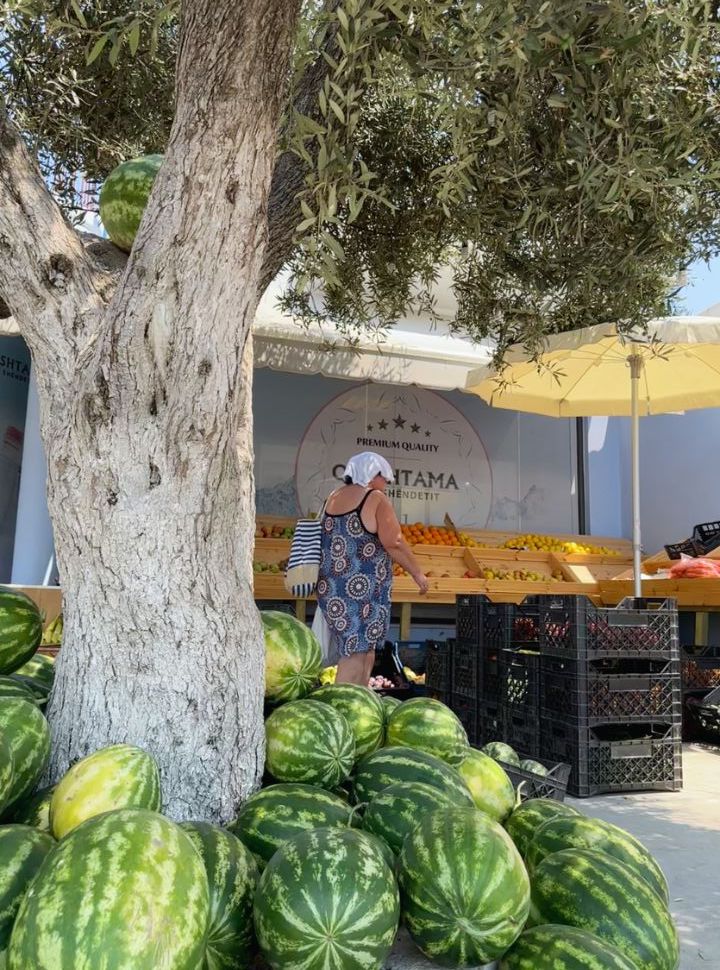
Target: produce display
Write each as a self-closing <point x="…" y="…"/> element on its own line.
<point x="123" y="197"/>
<point x="700" y="568"/>
<point x="435" y="535"/>
<point x="372" y="812"/>
<point x="540" y="543"/>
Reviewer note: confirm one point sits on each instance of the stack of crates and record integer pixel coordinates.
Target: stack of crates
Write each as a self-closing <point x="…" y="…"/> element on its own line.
<point x="596" y="688"/>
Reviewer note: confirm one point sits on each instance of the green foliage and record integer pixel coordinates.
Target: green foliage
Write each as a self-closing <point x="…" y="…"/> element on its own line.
<point x="563" y="157"/>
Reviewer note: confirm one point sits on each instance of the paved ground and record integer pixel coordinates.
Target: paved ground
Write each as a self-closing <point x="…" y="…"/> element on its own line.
<point x="682" y="830"/>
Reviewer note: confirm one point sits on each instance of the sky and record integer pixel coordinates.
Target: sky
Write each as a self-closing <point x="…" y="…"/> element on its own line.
<point x="703" y="288"/>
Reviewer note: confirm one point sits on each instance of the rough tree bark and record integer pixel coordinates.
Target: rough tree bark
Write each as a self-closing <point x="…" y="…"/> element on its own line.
<point x="143" y="402"/>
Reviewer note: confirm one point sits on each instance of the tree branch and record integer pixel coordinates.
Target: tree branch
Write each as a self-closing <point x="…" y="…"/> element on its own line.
<point x="46" y="279"/>
<point x="290" y="170"/>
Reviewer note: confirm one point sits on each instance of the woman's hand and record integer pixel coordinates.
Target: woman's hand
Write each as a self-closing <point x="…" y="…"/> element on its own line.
<point x="422" y="582"/>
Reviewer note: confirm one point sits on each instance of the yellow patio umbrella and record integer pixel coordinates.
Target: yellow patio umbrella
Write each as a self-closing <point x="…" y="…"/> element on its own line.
<point x="675" y="366"/>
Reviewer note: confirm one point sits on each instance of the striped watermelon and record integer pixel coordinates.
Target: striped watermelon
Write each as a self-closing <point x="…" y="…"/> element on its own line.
<point x="123" y="197"/>
<point x="7" y="771"/>
<point x="390" y="766"/>
<point x="39" y="670"/>
<point x="10" y="687"/>
<point x="34" y="810"/>
<point x="534" y="767"/>
<point x="310" y="742"/>
<point x="389" y="704"/>
<point x="430" y="726"/>
<point x="363" y="710"/>
<point x="119" y="776"/>
<point x="528" y="817"/>
<point x="502" y="752"/>
<point x="594" y="891"/>
<point x="395" y="811"/>
<point x="326" y="902"/>
<point x="20" y="629"/>
<point x="124" y="889"/>
<point x="232" y="878"/>
<point x="293" y="658"/>
<point x="380" y="846"/>
<point x="22" y="850"/>
<point x="28" y="734"/>
<point x="563" y="948"/>
<point x="490" y="787"/>
<point x="579" y="831"/>
<point x="273" y="816"/>
<point x="465" y="890"/>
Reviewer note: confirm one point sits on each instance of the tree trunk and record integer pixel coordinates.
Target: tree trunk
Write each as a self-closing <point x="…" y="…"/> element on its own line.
<point x="148" y="425"/>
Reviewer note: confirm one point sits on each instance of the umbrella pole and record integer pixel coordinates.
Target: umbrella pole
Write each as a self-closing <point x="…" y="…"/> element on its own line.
<point x="636" y="365"/>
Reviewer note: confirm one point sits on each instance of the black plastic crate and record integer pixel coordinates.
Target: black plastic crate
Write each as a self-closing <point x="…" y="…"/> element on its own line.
<point x="475" y="670"/>
<point x="524" y="621"/>
<point x="490" y="724"/>
<point x="437" y="669"/>
<point x="522" y="732"/>
<point x="481" y="621"/>
<point x="613" y="689"/>
<point x="707" y="536"/>
<point x="466" y="708"/>
<point x="520" y="681"/>
<point x="413" y="654"/>
<point x="529" y="785"/>
<point x="616" y="757"/>
<point x="573" y="627"/>
<point x="700" y="668"/>
<point x="675" y="550"/>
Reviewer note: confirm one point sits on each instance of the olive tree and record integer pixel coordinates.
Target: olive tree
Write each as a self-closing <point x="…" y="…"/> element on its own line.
<point x="561" y="157"/>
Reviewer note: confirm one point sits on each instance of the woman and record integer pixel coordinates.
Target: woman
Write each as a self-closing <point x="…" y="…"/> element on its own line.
<point x="360" y="536"/>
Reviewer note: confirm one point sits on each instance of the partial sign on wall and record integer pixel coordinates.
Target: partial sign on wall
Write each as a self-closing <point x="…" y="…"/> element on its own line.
<point x="440" y="464"/>
<point x="14" y="383"/>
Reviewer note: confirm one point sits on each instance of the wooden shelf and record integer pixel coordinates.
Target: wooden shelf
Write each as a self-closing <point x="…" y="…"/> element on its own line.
<point x="696" y="593"/>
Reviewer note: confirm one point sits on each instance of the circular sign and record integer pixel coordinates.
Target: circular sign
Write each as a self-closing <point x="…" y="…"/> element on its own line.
<point x="440" y="464"/>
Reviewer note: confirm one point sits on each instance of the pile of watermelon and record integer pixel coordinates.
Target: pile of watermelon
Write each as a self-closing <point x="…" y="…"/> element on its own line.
<point x="370" y="815"/>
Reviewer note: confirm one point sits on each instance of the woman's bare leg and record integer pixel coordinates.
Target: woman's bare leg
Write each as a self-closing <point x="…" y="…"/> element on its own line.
<point x="369" y="665"/>
<point x="351" y="670"/>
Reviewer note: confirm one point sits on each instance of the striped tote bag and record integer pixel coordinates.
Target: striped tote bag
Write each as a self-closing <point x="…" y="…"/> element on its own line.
<point x="303" y="566"/>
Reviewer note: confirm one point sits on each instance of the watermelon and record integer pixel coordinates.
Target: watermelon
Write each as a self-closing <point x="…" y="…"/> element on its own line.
<point x="326" y="901"/>
<point x="20" y="629"/>
<point x="232" y="879"/>
<point x="389" y="704"/>
<point x="363" y="710"/>
<point x="397" y="809"/>
<point x="594" y="891"/>
<point x="465" y="890"/>
<point x="34" y="810"/>
<point x="380" y="846"/>
<point x="22" y="850"/>
<point x="502" y="752"/>
<point x="430" y="726"/>
<point x="311" y="742"/>
<point x="579" y="831"/>
<point x="119" y="776"/>
<point x="534" y="767"/>
<point x="28" y="734"/>
<point x="563" y="948"/>
<point x="390" y="766"/>
<point x="124" y="889"/>
<point x="490" y="787"/>
<point x="278" y="813"/>
<point x="123" y="197"/>
<point x="39" y="670"/>
<point x="528" y="817"/>
<point x="7" y="771"/>
<point x="293" y="658"/>
<point x="10" y="687"/>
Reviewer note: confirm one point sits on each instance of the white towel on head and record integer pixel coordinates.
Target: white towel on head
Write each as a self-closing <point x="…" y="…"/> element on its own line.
<point x="364" y="467"/>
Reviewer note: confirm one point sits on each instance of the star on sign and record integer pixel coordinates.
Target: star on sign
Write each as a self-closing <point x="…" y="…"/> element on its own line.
<point x="382" y="424"/>
<point x="399" y="422"/>
<point x="427" y="434"/>
<point x="415" y="428"/>
<point x="369" y="427"/>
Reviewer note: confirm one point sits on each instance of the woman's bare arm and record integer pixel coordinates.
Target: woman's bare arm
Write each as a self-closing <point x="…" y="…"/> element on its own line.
<point x="390" y="536"/>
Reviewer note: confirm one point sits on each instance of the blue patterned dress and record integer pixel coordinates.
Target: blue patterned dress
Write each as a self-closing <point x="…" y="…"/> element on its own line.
<point x="354" y="583"/>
